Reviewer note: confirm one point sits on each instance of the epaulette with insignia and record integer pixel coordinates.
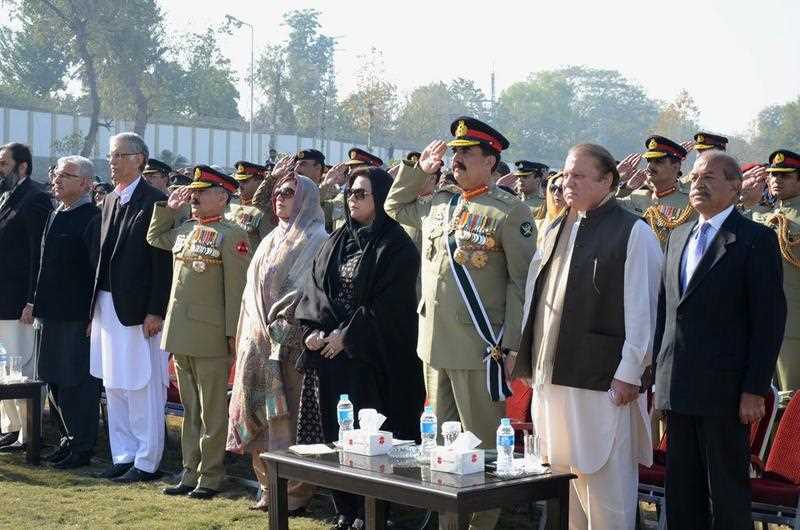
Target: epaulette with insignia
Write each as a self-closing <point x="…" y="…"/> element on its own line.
<point x="503" y="195"/>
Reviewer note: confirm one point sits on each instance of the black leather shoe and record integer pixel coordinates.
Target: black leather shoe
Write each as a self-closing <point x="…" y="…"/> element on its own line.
<point x="59" y="453"/>
<point x="203" y="493"/>
<point x="136" y="475"/>
<point x="8" y="438"/>
<point x="115" y="470"/>
<point x="73" y="460"/>
<point x="297" y="512"/>
<point x="14" y="447"/>
<point x="177" y="489"/>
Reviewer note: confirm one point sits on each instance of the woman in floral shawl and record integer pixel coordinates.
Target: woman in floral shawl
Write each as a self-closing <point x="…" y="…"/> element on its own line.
<point x="266" y="390"/>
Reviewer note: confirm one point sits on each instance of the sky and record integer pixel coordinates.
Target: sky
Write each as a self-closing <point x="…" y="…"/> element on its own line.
<point x="733" y="56"/>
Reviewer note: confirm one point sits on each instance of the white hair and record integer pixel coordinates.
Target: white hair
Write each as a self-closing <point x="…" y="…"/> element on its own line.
<point x="85" y="166"/>
<point x="135" y="142"/>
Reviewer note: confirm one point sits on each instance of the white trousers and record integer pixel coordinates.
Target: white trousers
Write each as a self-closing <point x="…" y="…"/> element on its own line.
<point x="18" y="340"/>
<point x="136" y="425"/>
<point x="606" y="499"/>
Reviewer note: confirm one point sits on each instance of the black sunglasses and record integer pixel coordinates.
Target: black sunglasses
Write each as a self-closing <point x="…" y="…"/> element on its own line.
<point x="358" y="194"/>
<point x="555" y="188"/>
<point x="285" y="193"/>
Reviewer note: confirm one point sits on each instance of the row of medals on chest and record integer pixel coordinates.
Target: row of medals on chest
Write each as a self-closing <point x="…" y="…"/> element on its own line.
<point x="474" y="236"/>
<point x="203" y="244"/>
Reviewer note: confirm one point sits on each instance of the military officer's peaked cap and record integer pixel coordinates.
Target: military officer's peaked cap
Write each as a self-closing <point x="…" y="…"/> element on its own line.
<point x="359" y="157"/>
<point x="156" y="166"/>
<point x="206" y="177"/>
<point x="178" y="179"/>
<point x="525" y="168"/>
<point x="245" y="170"/>
<point x="469" y="131"/>
<point x="659" y="146"/>
<point x="311" y="154"/>
<point x="783" y="161"/>
<point x="704" y="141"/>
<point x="413" y="157"/>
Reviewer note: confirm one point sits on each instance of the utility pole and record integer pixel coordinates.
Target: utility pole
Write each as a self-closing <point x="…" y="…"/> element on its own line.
<point x="239" y="23"/>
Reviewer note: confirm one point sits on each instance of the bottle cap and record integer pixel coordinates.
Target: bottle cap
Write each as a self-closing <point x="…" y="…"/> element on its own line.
<point x="505" y="422"/>
<point x="344" y="397"/>
<point x="428" y="408"/>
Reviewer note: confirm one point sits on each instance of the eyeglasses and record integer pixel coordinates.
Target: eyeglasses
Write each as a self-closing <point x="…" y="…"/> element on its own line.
<point x="117" y="156"/>
<point x="64" y="174"/>
<point x="284" y="193"/>
<point x="555" y="188"/>
<point x="358" y="194"/>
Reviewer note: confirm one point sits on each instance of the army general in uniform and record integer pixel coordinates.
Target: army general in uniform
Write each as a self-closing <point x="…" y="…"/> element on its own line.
<point x="211" y="255"/>
<point x="784" y="184"/>
<point x="663" y="204"/>
<point x="473" y="230"/>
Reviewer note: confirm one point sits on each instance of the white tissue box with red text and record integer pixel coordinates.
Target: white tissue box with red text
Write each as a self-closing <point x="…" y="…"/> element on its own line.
<point x="365" y="443"/>
<point x="460" y="462"/>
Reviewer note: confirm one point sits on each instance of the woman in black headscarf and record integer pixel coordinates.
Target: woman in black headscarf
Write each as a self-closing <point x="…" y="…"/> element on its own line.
<point x="360" y="323"/>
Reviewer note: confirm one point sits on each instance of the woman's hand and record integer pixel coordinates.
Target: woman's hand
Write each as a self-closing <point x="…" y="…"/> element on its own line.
<point x="315" y="341"/>
<point x="335" y="344"/>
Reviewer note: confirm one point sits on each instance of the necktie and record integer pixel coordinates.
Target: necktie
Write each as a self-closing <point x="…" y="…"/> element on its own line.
<point x="699" y="250"/>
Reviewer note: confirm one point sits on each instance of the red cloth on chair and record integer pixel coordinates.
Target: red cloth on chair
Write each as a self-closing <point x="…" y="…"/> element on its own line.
<point x="518" y="406"/>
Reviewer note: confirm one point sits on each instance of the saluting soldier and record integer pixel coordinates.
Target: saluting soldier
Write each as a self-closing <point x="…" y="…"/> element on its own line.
<point x="331" y="195"/>
<point x="310" y="163"/>
<point x="663" y="204"/>
<point x="211" y="255"/>
<point x="242" y="211"/>
<point x="478" y="240"/>
<point x="784" y="184"/>
<point x="157" y="173"/>
<point x="531" y="178"/>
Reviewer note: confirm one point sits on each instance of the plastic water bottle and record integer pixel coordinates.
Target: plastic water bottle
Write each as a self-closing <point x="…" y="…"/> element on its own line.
<point x="428" y="427"/>
<point x="505" y="446"/>
<point x="344" y="413"/>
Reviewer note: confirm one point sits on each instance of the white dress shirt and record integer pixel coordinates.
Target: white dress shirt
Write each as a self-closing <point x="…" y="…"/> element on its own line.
<point x="126" y="192"/>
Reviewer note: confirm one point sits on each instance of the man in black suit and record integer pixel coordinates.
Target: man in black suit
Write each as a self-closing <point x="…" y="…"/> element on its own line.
<point x="131" y="292"/>
<point x="61" y="303"/>
<point x="24" y="208"/>
<point x="721" y="316"/>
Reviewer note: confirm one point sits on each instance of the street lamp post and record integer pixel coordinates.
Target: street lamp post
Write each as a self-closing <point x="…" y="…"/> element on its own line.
<point x="239" y="23"/>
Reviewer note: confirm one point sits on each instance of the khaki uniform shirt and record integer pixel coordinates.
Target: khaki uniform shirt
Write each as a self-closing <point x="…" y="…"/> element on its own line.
<point x="209" y="274"/>
<point x="498" y="265"/>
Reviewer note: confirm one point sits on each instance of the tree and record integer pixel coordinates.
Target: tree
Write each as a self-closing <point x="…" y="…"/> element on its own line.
<point x="272" y="78"/>
<point x="71" y="48"/>
<point x="556" y="109"/>
<point x="678" y="119"/>
<point x="371" y="108"/>
<point x="309" y="63"/>
<point x="429" y="110"/>
<point x="776" y="127"/>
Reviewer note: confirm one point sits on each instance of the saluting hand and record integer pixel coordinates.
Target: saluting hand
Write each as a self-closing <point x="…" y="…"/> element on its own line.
<point x="337" y="174"/>
<point x="179" y="197"/>
<point x="636" y="181"/>
<point x="432" y="158"/>
<point x="284" y="166"/>
<point x="627" y="167"/>
<point x="688" y="145"/>
<point x="508" y="180"/>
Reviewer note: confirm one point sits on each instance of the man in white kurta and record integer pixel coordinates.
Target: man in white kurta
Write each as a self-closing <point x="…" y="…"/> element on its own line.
<point x="132" y="289"/>
<point x="592" y="433"/>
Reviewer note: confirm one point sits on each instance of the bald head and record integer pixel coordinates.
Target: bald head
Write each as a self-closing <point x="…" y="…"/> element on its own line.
<point x="722" y="160"/>
<point x="716" y="183"/>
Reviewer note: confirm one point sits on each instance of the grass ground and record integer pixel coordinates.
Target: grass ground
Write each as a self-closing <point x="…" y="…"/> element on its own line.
<point x="43" y="498"/>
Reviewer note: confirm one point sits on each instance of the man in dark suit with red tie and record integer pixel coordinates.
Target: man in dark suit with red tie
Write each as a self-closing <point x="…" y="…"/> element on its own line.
<point x="721" y="316"/>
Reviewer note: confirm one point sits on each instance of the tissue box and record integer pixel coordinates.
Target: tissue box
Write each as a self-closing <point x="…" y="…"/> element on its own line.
<point x="459" y="462"/>
<point x="379" y="464"/>
<point x="367" y="443"/>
